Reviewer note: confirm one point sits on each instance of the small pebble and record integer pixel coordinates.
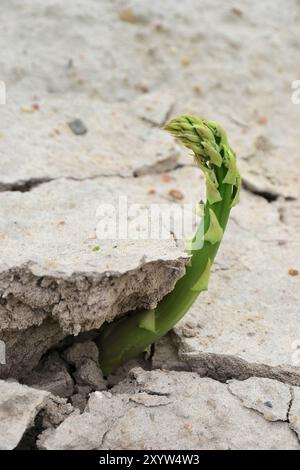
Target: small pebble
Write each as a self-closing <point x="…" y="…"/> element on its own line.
<point x="262" y="120"/>
<point x="188" y="332"/>
<point x="142" y="87"/>
<point x="25" y="109"/>
<point x="159" y="27"/>
<point x="127" y="15"/>
<point x="293" y="272"/>
<point x="188" y="426"/>
<point x="197" y="89"/>
<point x="268" y="404"/>
<point x="77" y="127"/>
<point x="166" y="178"/>
<point x="185" y="60"/>
<point x="176" y="194"/>
<point x="236" y="11"/>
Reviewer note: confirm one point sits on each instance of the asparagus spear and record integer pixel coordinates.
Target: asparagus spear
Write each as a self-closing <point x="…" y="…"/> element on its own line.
<point x="128" y="336"/>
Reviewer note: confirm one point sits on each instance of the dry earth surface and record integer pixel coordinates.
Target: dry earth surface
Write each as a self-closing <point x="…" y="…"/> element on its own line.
<point x="89" y="85"/>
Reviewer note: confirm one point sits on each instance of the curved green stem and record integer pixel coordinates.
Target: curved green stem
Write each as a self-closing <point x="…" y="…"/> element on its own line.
<point x="125" y="338"/>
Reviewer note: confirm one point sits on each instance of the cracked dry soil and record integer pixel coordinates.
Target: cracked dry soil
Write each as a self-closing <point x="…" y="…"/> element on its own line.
<point x="228" y="376"/>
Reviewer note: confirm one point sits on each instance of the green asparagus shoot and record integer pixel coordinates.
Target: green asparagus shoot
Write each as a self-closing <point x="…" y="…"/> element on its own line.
<point x="128" y="336"/>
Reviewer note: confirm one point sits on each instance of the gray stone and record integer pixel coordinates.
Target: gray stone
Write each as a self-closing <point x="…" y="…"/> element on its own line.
<point x="55" y="411"/>
<point x="89" y="374"/>
<point x="77" y="127"/>
<point x="94" y="417"/>
<point x="168" y="410"/>
<point x="79" y="401"/>
<point x="121" y="373"/>
<point x="51" y="375"/>
<point x="80" y="351"/>
<point x="19" y="406"/>
<point x="166" y="355"/>
<point x="83" y="389"/>
<point x="269" y="397"/>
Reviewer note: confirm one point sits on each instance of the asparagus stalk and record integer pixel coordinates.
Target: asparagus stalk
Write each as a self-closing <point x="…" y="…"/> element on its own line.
<point x="126" y="337"/>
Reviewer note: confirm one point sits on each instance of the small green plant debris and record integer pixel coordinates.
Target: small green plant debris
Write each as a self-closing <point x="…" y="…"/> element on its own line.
<point x="96" y="248"/>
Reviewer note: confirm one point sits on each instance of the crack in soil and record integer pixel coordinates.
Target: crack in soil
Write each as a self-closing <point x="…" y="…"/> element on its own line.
<point x="32" y="183"/>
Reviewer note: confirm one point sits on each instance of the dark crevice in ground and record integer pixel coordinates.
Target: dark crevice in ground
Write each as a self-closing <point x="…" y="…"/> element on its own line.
<point x="29" y="439"/>
<point x="24" y="186"/>
<point x="290" y="404"/>
<point x="28" y="185"/>
<point x="268" y="195"/>
<point x="219" y="367"/>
